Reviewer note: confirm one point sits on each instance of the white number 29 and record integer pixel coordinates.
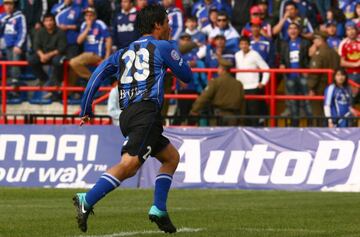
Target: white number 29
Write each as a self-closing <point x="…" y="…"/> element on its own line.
<point x="141" y="58"/>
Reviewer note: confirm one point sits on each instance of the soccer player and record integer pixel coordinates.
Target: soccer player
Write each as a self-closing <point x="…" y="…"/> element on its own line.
<point x="140" y="70"/>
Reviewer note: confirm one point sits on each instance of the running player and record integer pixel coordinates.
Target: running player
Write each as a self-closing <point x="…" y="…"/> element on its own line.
<point x="140" y="70"/>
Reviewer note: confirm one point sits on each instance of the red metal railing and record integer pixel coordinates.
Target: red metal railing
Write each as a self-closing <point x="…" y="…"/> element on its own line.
<point x="271" y="95"/>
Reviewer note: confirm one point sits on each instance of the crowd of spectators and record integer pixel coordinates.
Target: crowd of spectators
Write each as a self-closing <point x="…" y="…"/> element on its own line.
<point x="249" y="33"/>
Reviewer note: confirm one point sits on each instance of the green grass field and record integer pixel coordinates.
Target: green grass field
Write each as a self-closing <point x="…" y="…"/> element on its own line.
<point x="49" y="212"/>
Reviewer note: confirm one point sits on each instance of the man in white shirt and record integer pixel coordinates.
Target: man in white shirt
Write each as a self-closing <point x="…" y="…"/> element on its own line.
<point x="247" y="58"/>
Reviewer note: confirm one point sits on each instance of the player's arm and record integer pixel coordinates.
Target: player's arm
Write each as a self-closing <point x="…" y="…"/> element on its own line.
<point x="174" y="61"/>
<point x="105" y="70"/>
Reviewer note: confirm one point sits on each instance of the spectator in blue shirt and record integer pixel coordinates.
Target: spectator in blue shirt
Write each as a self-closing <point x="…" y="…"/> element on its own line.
<point x="68" y="17"/>
<point x="201" y="10"/>
<point x="13" y="30"/>
<point x="294" y="54"/>
<point x="224" y="28"/>
<point x="332" y="40"/>
<point x="192" y="29"/>
<point x="338" y="101"/>
<point x="123" y="25"/>
<point x="95" y="38"/>
<point x="176" y="21"/>
<point x="261" y="44"/>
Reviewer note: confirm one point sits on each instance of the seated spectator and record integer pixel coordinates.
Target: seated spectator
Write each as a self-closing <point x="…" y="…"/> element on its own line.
<point x="292" y="16"/>
<point x="225" y="28"/>
<point x="338" y="101"/>
<point x="349" y="51"/>
<point x="247" y="58"/>
<point x="97" y="43"/>
<point x="123" y="25"/>
<point x="265" y="27"/>
<point x="261" y="44"/>
<point x="332" y="40"/>
<point x="323" y="57"/>
<point x="68" y="17"/>
<point x="175" y="18"/>
<point x="213" y="13"/>
<point x="202" y="8"/>
<point x="49" y="49"/>
<point x="13" y="30"/>
<point x="192" y="29"/>
<point x="113" y="106"/>
<point x="294" y="54"/>
<point x="225" y="94"/>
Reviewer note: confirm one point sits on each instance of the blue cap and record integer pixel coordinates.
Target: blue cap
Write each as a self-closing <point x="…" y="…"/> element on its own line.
<point x="331" y="22"/>
<point x="350" y="23"/>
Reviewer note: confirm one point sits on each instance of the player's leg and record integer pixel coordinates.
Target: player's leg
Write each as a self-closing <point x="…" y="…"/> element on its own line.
<point x="169" y="158"/>
<point x="110" y="180"/>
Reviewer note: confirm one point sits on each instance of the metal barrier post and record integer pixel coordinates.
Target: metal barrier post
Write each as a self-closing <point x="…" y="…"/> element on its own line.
<point x="65" y="87"/>
<point x="3" y="84"/>
<point x="330" y="76"/>
<point x="272" y="99"/>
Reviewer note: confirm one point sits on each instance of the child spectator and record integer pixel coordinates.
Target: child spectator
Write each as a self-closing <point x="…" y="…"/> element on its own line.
<point x="192" y="29"/>
<point x="213" y="14"/>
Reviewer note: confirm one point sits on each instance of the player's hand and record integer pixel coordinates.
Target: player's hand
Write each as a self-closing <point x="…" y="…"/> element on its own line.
<point x="84" y="120"/>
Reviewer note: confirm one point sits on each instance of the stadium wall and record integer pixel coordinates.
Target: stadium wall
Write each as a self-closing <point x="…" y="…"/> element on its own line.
<point x="234" y="158"/>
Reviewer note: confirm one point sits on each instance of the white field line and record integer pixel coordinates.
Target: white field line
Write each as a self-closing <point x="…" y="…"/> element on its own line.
<point x="249" y="229"/>
<point x="144" y="232"/>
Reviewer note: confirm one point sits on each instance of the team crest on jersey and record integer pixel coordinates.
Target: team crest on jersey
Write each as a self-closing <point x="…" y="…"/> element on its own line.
<point x="132" y="17"/>
<point x="175" y="55"/>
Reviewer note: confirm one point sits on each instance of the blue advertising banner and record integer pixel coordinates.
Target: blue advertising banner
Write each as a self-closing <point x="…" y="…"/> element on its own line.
<point x="244" y="158"/>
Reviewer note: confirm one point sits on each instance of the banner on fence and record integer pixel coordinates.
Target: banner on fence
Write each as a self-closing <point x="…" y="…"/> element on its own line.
<point x="245" y="158"/>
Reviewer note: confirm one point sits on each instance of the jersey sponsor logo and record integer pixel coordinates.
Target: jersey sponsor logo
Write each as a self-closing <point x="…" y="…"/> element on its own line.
<point x="125" y="27"/>
<point x="175" y="55"/>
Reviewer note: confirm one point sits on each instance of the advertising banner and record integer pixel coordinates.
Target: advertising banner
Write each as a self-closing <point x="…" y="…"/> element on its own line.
<point x="238" y="158"/>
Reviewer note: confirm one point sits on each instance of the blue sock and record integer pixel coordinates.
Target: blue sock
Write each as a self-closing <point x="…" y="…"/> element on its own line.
<point x="103" y="186"/>
<point x="162" y="186"/>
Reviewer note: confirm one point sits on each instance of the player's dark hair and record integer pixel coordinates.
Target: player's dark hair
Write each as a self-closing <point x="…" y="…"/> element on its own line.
<point x="245" y="38"/>
<point x="148" y="17"/>
<point x="49" y="15"/>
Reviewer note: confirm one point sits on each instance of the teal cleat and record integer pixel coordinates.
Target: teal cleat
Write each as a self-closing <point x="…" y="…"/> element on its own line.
<point x="162" y="219"/>
<point x="82" y="211"/>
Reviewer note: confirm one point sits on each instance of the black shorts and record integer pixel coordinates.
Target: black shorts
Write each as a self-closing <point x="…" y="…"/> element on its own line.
<point x="141" y="125"/>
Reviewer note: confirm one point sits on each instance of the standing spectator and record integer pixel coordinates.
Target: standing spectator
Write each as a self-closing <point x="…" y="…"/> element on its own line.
<point x="175" y="18"/>
<point x="68" y="17"/>
<point x="332" y="40"/>
<point x="96" y="40"/>
<point x="265" y="27"/>
<point x="224" y="28"/>
<point x="261" y="44"/>
<point x="213" y="14"/>
<point x="323" y="57"/>
<point x="247" y="58"/>
<point x="305" y="8"/>
<point x="294" y="54"/>
<point x="338" y="101"/>
<point x="349" y="51"/>
<point x="123" y="25"/>
<point x="292" y="16"/>
<point x="225" y="95"/>
<point x="49" y="49"/>
<point x="34" y="12"/>
<point x="113" y="106"/>
<point x="13" y="30"/>
<point x="192" y="29"/>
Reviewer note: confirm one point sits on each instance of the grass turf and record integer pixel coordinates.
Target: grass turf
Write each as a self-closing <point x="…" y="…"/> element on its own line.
<point x="49" y="212"/>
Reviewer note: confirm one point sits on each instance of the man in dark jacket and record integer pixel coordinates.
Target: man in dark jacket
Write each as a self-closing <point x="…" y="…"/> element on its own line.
<point x="225" y="94"/>
<point x="49" y="47"/>
<point x="294" y="54"/>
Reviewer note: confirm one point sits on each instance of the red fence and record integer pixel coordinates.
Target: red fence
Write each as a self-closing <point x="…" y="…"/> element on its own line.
<point x="270" y="95"/>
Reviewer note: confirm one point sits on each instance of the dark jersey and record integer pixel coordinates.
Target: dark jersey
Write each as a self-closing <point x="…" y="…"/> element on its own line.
<point x="140" y="70"/>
